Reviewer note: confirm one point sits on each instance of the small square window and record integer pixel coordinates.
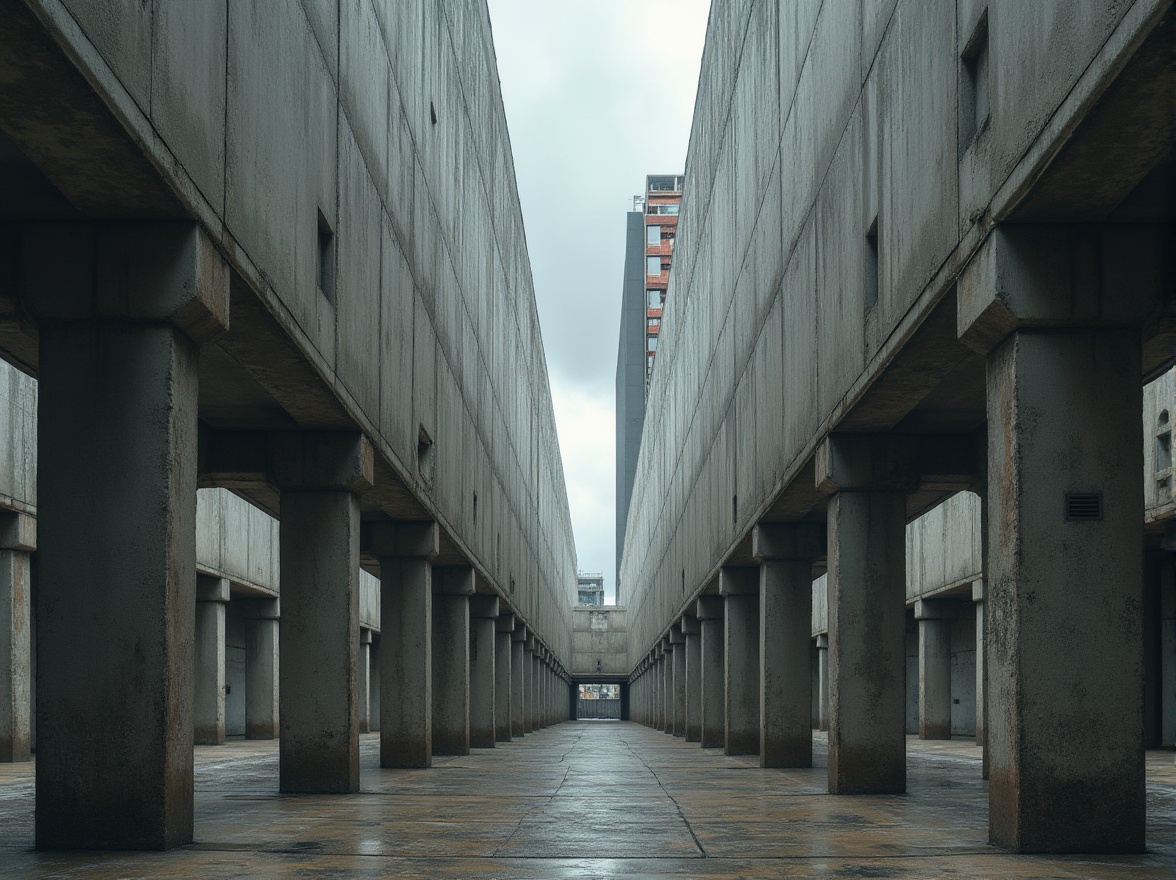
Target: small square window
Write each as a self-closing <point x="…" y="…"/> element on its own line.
<point x="653" y="265"/>
<point x="653" y="235"/>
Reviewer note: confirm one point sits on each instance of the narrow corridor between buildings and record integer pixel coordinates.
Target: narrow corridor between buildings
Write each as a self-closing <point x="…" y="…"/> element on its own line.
<point x="582" y="800"/>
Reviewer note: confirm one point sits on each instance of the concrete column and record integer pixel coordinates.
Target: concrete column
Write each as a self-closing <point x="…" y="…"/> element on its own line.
<point x="665" y="681"/>
<point x="518" y="685"/>
<point x="692" y="630"/>
<point x="364" y="681"/>
<point x="709" y="610"/>
<point x="536" y="691"/>
<point x="1057" y="311"/>
<point x="121" y="309"/>
<point x="981" y="656"/>
<point x="320" y="476"/>
<point x="823" y="677"/>
<point x="261" y="670"/>
<point x="935" y="617"/>
<point x="17" y="540"/>
<point x="868" y="479"/>
<point x="483" y="668"/>
<point x="405" y="551"/>
<point x="212" y="594"/>
<point x="504" y="628"/>
<point x="786" y="553"/>
<point x="678" y="688"/>
<point x="741" y="660"/>
<point x="374" y="687"/>
<point x="452" y="588"/>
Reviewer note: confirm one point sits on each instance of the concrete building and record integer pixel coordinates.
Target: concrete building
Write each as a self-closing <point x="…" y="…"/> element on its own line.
<point x="589" y="588"/>
<point x="652" y="227"/>
<point x="942" y="267"/>
<point x="298" y="275"/>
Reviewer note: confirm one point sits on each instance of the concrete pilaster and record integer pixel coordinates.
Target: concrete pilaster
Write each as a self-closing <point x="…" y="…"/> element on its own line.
<point x="935" y="619"/>
<point x="741" y="660"/>
<point x="692" y="630"/>
<point x="121" y="309"/>
<point x="452" y="588"/>
<point x="868" y="480"/>
<point x="405" y="551"/>
<point x="483" y="664"/>
<point x="320" y="476"/>
<point x="17" y="539"/>
<point x="786" y="554"/>
<point x="212" y="594"/>
<point x="709" y="610"/>
<point x="981" y="667"/>
<point x="504" y="627"/>
<point x="363" y="682"/>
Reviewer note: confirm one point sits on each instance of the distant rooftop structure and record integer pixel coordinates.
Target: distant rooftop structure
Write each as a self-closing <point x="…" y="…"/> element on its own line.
<point x="590" y="588"/>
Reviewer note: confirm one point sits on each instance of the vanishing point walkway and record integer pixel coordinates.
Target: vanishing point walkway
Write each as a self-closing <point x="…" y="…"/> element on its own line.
<point x="586" y="800"/>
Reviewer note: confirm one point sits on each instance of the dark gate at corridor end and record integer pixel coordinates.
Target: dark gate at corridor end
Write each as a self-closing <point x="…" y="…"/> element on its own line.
<point x="599" y="702"/>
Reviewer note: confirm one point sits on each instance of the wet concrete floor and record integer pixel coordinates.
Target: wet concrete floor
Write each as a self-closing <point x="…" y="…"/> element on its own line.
<point x="586" y="800"/>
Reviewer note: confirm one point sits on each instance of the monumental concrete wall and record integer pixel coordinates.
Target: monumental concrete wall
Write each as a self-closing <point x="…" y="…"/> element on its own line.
<point x="351" y="162"/>
<point x="818" y="242"/>
<point x="600" y="641"/>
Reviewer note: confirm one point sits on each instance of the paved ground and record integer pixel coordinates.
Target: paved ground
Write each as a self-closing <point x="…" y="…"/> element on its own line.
<point x="586" y="800"/>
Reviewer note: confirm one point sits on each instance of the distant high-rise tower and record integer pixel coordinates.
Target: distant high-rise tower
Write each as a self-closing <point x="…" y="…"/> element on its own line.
<point x="649" y="248"/>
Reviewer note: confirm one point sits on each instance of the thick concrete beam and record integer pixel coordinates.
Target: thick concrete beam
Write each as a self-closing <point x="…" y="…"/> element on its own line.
<point x="786" y="553"/>
<point x="405" y="551"/>
<point x="320" y="475"/>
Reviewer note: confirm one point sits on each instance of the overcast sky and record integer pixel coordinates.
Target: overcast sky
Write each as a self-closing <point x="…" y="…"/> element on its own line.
<point x="598" y="94"/>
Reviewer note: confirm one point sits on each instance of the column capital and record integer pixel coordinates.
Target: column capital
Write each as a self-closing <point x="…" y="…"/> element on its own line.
<point x="709" y="608"/>
<point x="18" y="531"/>
<point x="340" y="460"/>
<point x="799" y="541"/>
<point x="823" y="642"/>
<point x="978" y="592"/>
<point x="400" y="539"/>
<point x="1075" y="275"/>
<point x="139" y="271"/>
<point x="505" y="623"/>
<point x="455" y="580"/>
<point x="867" y="463"/>
<point x="936" y="609"/>
<point x="689" y="625"/>
<point x="740" y="580"/>
<point x="210" y="588"/>
<point x="484" y="606"/>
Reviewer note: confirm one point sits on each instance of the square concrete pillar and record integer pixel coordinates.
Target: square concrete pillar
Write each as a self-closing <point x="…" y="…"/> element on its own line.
<point x="786" y="553"/>
<point x="261" y="669"/>
<point x="212" y="594"/>
<point x="374" y="686"/>
<point x="823" y="679"/>
<point x="452" y="588"/>
<point x="712" y="705"/>
<point x="981" y="672"/>
<point x="483" y="669"/>
<point x="665" y="683"/>
<point x="122" y="309"/>
<point x="518" y="684"/>
<point x="692" y="630"/>
<point x="17" y="540"/>
<point x="503" y="631"/>
<point x="405" y="550"/>
<point x="364" y="685"/>
<point x="868" y="479"/>
<point x="536" y="704"/>
<point x="321" y="475"/>
<point x="741" y="660"/>
<point x="1057" y="311"/>
<point x="678" y="686"/>
<point x="1065" y="656"/>
<point x="935" y="619"/>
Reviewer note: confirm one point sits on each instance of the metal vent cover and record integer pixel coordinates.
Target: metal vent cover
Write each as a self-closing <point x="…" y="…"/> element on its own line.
<point x="1084" y="506"/>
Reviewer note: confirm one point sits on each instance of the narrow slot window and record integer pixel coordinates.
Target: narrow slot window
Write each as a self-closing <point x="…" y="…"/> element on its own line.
<point x="325" y="259"/>
<point x="871" y="292"/>
<point x="974" y="84"/>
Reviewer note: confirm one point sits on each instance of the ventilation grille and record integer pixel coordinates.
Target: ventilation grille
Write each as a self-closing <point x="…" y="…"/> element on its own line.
<point x="1084" y="506"/>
